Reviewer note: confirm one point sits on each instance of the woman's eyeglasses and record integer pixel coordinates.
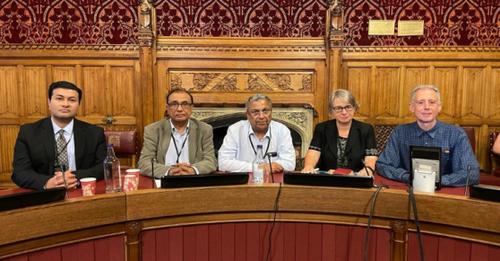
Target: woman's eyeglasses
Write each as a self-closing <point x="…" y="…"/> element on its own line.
<point x="347" y="108"/>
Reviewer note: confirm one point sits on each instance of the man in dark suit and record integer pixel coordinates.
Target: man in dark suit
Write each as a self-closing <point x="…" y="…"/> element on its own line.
<point x="179" y="145"/>
<point x="58" y="145"/>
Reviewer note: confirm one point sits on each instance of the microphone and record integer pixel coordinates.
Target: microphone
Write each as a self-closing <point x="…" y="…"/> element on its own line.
<point x="63" y="170"/>
<point x="60" y="167"/>
<point x="466" y="193"/>
<point x="153" y="159"/>
<point x="269" y="155"/>
<point x="366" y="168"/>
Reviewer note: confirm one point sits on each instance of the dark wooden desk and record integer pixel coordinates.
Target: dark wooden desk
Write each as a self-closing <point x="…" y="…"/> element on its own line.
<point x="232" y="223"/>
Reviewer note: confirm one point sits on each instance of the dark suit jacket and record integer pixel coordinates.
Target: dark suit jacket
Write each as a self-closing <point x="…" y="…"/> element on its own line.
<point x="361" y="138"/>
<point x="34" y="153"/>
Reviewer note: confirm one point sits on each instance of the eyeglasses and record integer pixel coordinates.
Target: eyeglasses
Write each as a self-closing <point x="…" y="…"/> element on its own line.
<point x="347" y="108"/>
<point x="256" y="113"/>
<point x="175" y="105"/>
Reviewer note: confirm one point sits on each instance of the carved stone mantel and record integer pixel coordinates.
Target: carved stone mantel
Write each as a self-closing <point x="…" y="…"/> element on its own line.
<point x="297" y="118"/>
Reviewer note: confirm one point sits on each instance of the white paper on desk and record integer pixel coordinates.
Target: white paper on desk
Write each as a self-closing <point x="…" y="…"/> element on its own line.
<point x="424" y="181"/>
<point x="157" y="183"/>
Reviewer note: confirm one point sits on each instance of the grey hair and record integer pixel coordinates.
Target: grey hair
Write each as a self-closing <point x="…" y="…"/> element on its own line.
<point x="343" y="94"/>
<point x="425" y="87"/>
<point x="258" y="97"/>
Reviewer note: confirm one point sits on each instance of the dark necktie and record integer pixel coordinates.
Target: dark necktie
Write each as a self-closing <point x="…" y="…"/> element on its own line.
<point x="62" y="149"/>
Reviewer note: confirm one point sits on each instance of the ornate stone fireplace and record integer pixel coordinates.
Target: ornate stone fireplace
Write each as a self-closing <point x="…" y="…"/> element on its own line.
<point x="299" y="119"/>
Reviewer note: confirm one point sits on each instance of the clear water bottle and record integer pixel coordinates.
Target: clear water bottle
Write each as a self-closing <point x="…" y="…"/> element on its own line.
<point x="258" y="166"/>
<point x="112" y="174"/>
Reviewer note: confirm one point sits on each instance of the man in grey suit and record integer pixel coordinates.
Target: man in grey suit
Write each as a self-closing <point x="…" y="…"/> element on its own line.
<point x="178" y="145"/>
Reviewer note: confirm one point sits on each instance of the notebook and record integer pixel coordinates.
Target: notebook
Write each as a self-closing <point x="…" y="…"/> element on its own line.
<point x="204" y="180"/>
<point x="328" y="180"/>
<point x="31" y="198"/>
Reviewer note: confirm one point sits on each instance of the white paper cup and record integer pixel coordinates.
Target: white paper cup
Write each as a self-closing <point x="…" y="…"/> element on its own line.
<point x="130" y="182"/>
<point x="88" y="186"/>
<point x="136" y="172"/>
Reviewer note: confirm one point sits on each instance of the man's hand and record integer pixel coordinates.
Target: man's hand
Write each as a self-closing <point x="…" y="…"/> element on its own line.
<point x="365" y="172"/>
<point x="277" y="168"/>
<point x="181" y="169"/>
<point x="58" y="181"/>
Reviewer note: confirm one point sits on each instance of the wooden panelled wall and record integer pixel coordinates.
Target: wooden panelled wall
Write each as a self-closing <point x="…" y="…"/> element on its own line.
<point x="110" y="81"/>
<point x="129" y="84"/>
<point x="468" y="78"/>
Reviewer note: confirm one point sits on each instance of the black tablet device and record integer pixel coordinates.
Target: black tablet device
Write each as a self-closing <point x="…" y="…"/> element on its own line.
<point x="486" y="192"/>
<point x="329" y="180"/>
<point x="204" y="180"/>
<point x="31" y="198"/>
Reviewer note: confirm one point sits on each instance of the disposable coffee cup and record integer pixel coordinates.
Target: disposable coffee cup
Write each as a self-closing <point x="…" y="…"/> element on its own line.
<point x="130" y="182"/>
<point x="136" y="172"/>
<point x="88" y="186"/>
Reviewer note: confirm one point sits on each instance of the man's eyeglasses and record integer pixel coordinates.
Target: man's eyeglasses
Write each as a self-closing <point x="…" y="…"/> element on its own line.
<point x="347" y="108"/>
<point x="256" y="113"/>
<point x="175" y="105"/>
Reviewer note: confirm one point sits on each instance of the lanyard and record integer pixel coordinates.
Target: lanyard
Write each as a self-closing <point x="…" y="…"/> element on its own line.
<point x="177" y="151"/>
<point x="65" y="145"/>
<point x="268" y="141"/>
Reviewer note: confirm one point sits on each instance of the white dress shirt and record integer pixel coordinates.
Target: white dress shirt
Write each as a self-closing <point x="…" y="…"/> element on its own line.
<point x="182" y="141"/>
<point x="68" y="135"/>
<point x="238" y="148"/>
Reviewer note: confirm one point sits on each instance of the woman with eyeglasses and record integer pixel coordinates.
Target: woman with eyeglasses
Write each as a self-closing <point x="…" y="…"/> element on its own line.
<point x="342" y="142"/>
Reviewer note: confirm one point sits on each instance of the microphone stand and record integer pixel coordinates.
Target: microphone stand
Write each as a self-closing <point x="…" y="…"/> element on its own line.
<point x="413" y="205"/>
<point x="467" y="181"/>
<point x="63" y="170"/>
<point x="270" y="167"/>
<point x="269" y="155"/>
<point x="153" y="171"/>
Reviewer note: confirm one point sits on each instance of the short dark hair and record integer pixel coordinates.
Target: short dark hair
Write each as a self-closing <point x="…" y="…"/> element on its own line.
<point x="65" y="85"/>
<point x="172" y="91"/>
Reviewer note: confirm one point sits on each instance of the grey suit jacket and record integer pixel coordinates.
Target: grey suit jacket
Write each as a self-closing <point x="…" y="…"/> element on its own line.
<point x="157" y="140"/>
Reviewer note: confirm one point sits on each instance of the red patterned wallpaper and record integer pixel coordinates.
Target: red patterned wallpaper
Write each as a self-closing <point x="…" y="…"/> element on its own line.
<point x="446" y="22"/>
<point x="241" y="18"/>
<point x="68" y="21"/>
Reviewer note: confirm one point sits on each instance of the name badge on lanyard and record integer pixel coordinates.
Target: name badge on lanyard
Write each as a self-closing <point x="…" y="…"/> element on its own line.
<point x="177" y="151"/>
